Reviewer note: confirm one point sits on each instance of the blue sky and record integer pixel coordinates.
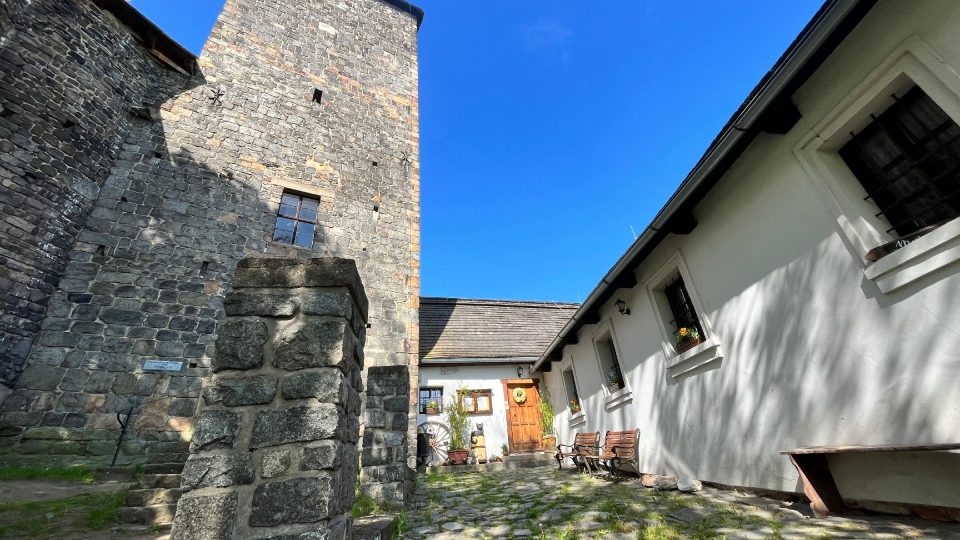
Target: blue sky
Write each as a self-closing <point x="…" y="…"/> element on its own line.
<point x="550" y="128"/>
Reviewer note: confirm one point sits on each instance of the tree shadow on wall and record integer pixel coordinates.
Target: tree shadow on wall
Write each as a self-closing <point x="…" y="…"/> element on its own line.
<point x="732" y="422"/>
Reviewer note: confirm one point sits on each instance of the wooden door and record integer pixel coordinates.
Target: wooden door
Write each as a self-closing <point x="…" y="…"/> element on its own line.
<point x="524" y="430"/>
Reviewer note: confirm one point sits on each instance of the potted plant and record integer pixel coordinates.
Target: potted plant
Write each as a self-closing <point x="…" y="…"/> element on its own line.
<point x="505" y="449"/>
<point x="614" y="382"/>
<point x="687" y="338"/>
<point x="432" y="407"/>
<point x="547" y="415"/>
<point x="574" y="406"/>
<point x="459" y="422"/>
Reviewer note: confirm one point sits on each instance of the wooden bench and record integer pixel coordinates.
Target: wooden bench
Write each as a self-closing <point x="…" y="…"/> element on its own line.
<point x="583" y="444"/>
<point x="619" y="447"/>
<point x="818" y="484"/>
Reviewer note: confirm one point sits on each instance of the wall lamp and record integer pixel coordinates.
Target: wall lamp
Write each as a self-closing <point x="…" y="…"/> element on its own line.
<point x="519" y="371"/>
<point x="622" y="307"/>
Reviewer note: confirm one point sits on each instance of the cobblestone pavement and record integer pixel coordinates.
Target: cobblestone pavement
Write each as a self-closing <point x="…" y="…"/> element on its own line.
<point x="546" y="503"/>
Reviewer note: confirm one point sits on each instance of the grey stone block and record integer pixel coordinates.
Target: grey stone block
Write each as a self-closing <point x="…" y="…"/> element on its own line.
<point x="217" y="470"/>
<point x="240" y="345"/>
<point x="126" y="317"/>
<point x="309" y="344"/>
<point x="327" y="385"/>
<point x="300" y="500"/>
<point x="322" y="455"/>
<point x="215" y="429"/>
<point x="296" y="424"/>
<point x="237" y="391"/>
<point x="206" y="517"/>
<point x="273" y="464"/>
<point x="254" y="303"/>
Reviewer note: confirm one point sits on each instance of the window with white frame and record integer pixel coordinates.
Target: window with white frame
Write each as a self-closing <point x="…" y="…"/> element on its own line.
<point x="885" y="161"/>
<point x="570" y="384"/>
<point x="908" y="161"/>
<point x="609" y="360"/>
<point x="680" y="315"/>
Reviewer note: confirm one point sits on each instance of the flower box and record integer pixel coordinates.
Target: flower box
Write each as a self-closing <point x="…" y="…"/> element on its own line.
<point x="431" y="410"/>
<point x="689" y="344"/>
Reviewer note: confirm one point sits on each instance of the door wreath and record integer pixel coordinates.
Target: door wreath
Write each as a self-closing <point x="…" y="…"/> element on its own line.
<point x="520" y="395"/>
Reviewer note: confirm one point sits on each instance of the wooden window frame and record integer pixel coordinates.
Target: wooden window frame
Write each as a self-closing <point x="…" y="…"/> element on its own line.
<point x="297" y="218"/>
<point x="474" y="394"/>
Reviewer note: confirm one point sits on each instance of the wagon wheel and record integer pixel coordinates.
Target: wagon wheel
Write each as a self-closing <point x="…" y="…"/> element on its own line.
<point x="438" y="436"/>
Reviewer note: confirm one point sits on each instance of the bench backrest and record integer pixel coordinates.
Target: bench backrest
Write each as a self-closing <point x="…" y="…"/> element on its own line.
<point x="586" y="443"/>
<point x="621" y="443"/>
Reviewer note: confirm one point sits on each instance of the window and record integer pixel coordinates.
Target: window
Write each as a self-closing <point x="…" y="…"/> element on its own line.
<point x="573" y="398"/>
<point x="432" y="397"/>
<point x="296" y="220"/>
<point x="609" y="362"/>
<point x="908" y="161"/>
<point x="685" y="325"/>
<point x="477" y="401"/>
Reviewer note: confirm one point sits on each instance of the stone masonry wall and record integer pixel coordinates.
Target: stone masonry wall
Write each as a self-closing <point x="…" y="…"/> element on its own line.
<point x="69" y="79"/>
<point x="195" y="187"/>
<point x="385" y="474"/>
<point x="275" y="448"/>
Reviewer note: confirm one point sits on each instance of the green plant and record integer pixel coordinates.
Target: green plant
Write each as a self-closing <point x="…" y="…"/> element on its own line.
<point x="547" y="413"/>
<point x="574" y="406"/>
<point x="79" y="474"/>
<point x="432" y="404"/>
<point x="458" y="421"/>
<point x="505" y="449"/>
<point x="686" y="335"/>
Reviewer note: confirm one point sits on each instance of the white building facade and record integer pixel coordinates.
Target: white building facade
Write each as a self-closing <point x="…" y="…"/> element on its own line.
<point x="481" y="351"/>
<point x="763" y="252"/>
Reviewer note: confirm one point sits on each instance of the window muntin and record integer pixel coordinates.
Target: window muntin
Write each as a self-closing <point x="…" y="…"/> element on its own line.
<point x="296" y="220"/>
<point x="609" y="362"/>
<point x="428" y="394"/>
<point x="908" y="161"/>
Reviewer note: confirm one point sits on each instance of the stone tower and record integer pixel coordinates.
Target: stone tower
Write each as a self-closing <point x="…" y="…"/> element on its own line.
<point x="153" y="175"/>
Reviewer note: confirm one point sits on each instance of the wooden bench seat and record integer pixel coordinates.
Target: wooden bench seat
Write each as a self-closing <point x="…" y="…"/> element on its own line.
<point x="818" y="483"/>
<point x="583" y="444"/>
<point x="619" y="448"/>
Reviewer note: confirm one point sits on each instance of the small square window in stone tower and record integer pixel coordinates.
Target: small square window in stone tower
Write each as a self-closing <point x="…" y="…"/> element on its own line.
<point x="317" y="95"/>
<point x="296" y="220"/>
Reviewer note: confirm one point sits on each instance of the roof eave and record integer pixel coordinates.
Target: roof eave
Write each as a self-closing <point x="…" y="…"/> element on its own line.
<point x="832" y="23"/>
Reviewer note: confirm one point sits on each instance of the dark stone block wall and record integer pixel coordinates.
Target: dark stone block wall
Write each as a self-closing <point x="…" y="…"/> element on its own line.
<point x="193" y="185"/>
<point x="69" y="78"/>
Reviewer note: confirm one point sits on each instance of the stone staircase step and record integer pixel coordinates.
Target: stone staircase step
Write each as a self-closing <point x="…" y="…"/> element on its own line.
<point x="162" y="468"/>
<point x="151" y="497"/>
<point x="168" y="457"/>
<point x="170" y="481"/>
<point x="158" y="514"/>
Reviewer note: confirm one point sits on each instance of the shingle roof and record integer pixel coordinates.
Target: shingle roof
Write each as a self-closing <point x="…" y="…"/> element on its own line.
<point x="471" y="328"/>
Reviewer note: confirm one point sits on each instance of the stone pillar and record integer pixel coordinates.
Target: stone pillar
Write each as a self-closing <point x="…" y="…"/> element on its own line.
<point x="274" y="451"/>
<point x="385" y="474"/>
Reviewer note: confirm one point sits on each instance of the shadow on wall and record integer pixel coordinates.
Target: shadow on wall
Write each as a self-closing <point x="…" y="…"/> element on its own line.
<point x="732" y="422"/>
<point x="145" y="281"/>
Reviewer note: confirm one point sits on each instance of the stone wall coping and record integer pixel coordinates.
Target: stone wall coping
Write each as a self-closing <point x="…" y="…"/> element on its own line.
<point x="261" y="272"/>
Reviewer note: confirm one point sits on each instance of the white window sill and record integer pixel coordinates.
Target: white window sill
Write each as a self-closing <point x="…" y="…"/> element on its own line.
<point x="578" y="419"/>
<point x="679" y="365"/>
<point x="621" y="396"/>
<point x="923" y="256"/>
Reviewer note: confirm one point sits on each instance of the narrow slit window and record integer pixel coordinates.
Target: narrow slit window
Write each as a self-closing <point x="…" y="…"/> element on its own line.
<point x="573" y="398"/>
<point x="296" y="220"/>
<point x="908" y="161"/>
<point x="685" y="325"/>
<point x="317" y="95"/>
<point x="609" y="362"/>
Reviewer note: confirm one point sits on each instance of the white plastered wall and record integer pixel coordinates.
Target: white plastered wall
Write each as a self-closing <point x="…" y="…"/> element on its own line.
<point x="810" y="350"/>
<point x="474" y="378"/>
